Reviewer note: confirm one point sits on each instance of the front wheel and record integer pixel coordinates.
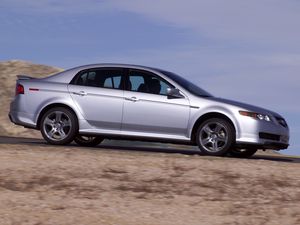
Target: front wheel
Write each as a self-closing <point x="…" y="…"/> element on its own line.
<point x="59" y="126"/>
<point x="215" y="137"/>
<point x="242" y="153"/>
<point x="88" y="141"/>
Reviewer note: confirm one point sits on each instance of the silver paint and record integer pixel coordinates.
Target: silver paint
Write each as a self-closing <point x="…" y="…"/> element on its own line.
<point x="118" y="112"/>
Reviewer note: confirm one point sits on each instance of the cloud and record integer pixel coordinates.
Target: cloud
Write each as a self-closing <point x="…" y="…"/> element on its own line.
<point x="246" y="21"/>
<point x="268" y="22"/>
<point x="55" y="6"/>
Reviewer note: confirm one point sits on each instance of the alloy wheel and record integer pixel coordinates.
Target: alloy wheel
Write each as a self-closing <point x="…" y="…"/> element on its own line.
<point x="213" y="137"/>
<point x="57" y="125"/>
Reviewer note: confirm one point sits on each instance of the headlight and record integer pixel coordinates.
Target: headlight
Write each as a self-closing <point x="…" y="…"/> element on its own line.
<point x="255" y="115"/>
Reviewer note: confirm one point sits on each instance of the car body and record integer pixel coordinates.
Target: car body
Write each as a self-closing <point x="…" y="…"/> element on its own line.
<point x="136" y="102"/>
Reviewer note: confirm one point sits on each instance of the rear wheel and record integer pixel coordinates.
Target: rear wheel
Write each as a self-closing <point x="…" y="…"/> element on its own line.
<point x="242" y="153"/>
<point x="215" y="137"/>
<point x="59" y="126"/>
<point x="88" y="141"/>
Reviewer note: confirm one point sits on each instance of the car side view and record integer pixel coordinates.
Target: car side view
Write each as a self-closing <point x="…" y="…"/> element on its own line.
<point x="89" y="103"/>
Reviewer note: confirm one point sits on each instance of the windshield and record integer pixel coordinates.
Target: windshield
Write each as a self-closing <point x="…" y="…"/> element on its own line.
<point x="194" y="89"/>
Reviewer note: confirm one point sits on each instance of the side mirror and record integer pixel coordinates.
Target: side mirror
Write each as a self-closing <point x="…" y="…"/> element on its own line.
<point x="174" y="93"/>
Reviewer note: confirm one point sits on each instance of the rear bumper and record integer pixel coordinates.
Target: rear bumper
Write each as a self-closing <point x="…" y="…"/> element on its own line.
<point x="19" y="115"/>
<point x="21" y="118"/>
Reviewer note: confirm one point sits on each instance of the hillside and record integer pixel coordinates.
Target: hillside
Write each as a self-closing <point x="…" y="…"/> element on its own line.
<point x="8" y="72"/>
<point x="44" y="184"/>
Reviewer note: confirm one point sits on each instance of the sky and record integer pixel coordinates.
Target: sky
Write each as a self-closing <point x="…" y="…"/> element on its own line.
<point x="243" y="50"/>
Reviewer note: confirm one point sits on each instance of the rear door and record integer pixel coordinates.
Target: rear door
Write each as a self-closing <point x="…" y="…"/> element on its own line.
<point x="99" y="95"/>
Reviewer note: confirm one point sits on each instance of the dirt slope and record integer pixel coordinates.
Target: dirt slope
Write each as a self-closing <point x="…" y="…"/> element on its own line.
<point x="45" y="185"/>
<point x="8" y="72"/>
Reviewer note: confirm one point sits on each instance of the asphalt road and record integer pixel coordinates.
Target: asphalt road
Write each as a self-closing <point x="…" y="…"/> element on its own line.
<point x="141" y="147"/>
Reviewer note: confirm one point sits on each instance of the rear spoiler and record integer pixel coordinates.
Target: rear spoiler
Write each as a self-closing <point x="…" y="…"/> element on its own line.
<point x="24" y="77"/>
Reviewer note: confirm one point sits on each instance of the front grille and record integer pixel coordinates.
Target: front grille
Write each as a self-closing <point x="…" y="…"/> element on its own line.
<point x="281" y="121"/>
<point x="273" y="137"/>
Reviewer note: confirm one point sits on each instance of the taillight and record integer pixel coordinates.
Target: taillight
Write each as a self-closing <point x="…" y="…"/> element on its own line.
<point x="19" y="89"/>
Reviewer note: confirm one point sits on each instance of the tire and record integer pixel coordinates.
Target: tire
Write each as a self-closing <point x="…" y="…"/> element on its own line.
<point x="242" y="153"/>
<point x="215" y="137"/>
<point x="88" y="141"/>
<point x="59" y="126"/>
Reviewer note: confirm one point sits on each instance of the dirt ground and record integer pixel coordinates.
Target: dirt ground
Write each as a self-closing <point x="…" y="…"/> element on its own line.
<point x="110" y="185"/>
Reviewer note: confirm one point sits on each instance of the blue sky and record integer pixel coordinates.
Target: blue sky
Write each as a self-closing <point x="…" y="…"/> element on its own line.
<point x="243" y="50"/>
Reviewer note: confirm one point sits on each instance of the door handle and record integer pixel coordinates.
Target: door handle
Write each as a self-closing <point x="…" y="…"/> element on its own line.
<point x="132" y="99"/>
<point x="81" y="93"/>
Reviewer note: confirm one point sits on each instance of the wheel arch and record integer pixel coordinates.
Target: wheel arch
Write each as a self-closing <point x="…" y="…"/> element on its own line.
<point x="52" y="105"/>
<point x="210" y="116"/>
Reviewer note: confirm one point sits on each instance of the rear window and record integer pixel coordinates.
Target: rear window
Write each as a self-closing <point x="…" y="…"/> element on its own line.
<point x="102" y="78"/>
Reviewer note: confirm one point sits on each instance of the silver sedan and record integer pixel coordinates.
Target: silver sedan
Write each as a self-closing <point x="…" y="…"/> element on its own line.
<point x="89" y="103"/>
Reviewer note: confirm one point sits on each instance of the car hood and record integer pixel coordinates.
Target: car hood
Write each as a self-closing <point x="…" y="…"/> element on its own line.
<point x="245" y="106"/>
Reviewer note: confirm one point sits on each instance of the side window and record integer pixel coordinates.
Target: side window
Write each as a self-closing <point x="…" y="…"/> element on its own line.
<point x="103" y="78"/>
<point x="86" y="79"/>
<point x="112" y="82"/>
<point x="108" y="83"/>
<point x="136" y="82"/>
<point x="146" y="82"/>
<point x="164" y="87"/>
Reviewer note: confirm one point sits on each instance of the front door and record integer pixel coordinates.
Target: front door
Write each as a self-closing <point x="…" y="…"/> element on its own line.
<point x="147" y="109"/>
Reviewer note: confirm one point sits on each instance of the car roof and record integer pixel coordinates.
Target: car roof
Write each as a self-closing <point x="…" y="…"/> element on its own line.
<point x="67" y="75"/>
<point x="121" y="65"/>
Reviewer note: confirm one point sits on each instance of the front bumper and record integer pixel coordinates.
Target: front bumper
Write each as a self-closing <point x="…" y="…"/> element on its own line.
<point x="262" y="135"/>
<point x="266" y="145"/>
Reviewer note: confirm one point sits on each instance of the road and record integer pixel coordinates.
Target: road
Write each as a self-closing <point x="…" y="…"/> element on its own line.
<point x="142" y="147"/>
